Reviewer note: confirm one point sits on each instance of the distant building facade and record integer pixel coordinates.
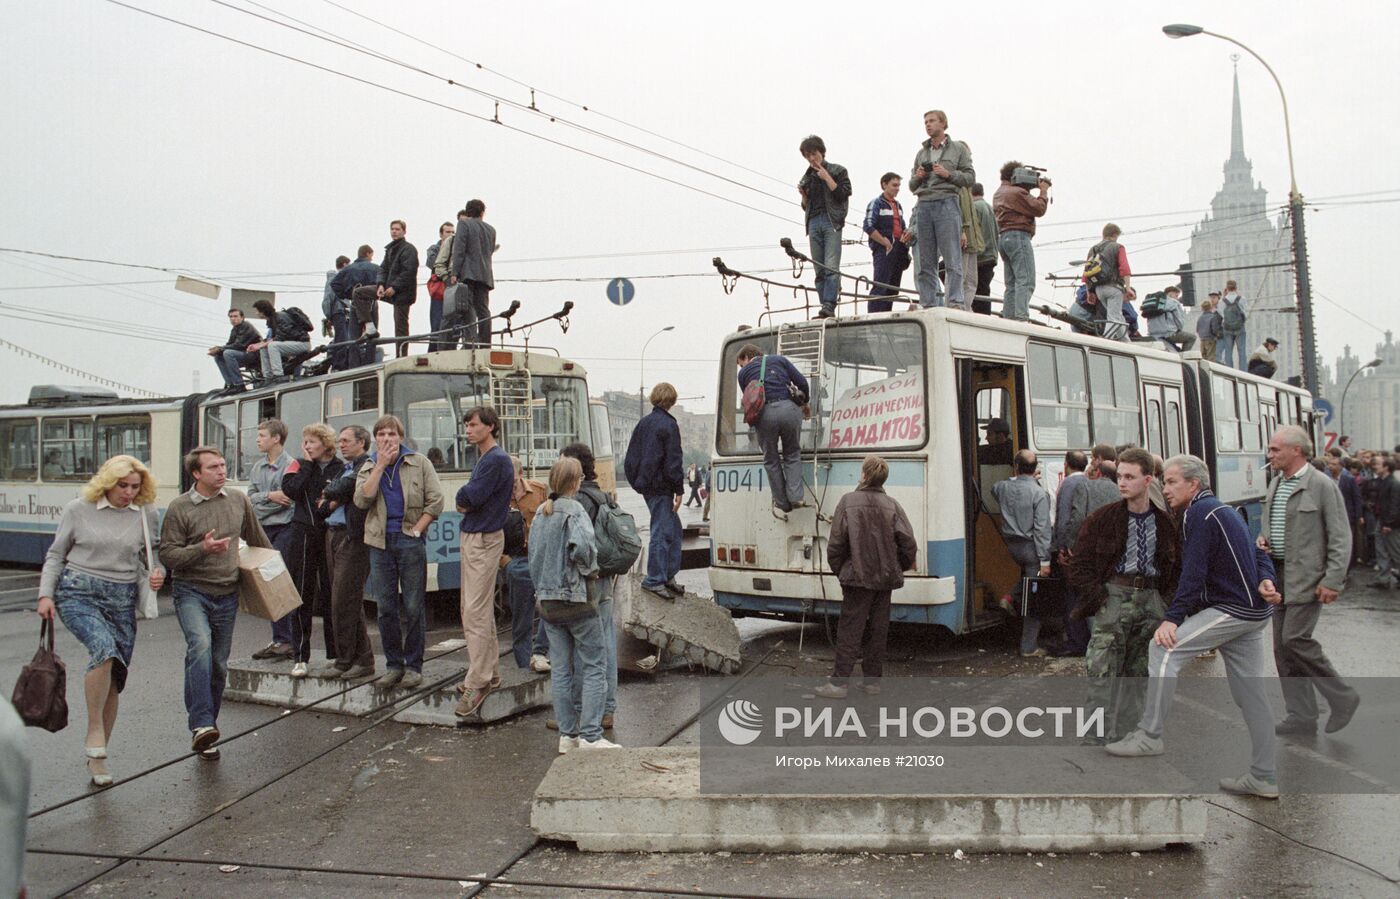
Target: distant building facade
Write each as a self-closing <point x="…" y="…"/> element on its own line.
<point x="1372" y="411"/>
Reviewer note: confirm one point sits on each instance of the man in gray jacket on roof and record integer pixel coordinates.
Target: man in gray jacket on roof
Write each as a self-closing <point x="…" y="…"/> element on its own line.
<point x="472" y="248"/>
<point x="941" y="166"/>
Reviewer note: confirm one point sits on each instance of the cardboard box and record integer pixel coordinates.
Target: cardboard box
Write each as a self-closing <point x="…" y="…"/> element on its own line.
<point x="265" y="587"/>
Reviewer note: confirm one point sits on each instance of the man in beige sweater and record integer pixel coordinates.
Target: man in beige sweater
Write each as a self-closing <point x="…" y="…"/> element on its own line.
<point x="199" y="547"/>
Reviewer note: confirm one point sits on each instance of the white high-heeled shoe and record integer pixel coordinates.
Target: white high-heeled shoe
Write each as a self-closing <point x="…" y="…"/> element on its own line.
<point x="98" y="752"/>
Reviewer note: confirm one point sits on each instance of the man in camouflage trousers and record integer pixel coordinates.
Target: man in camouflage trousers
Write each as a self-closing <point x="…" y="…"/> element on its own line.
<point x="1125" y="559"/>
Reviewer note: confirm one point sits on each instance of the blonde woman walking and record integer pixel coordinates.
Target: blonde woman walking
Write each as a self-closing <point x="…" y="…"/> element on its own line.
<point x="92" y="578"/>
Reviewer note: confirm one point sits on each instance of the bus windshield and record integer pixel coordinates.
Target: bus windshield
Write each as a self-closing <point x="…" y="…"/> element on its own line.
<point x="535" y="423"/>
<point x="869" y="392"/>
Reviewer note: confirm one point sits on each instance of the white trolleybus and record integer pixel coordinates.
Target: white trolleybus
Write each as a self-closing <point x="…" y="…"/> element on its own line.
<point x="51" y="445"/>
<point x="919" y="389"/>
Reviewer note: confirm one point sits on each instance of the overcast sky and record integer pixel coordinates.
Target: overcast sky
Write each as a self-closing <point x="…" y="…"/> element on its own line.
<point x="135" y="140"/>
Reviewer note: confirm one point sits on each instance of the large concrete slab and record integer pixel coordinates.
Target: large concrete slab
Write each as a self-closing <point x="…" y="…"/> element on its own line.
<point x="690" y="627"/>
<point x="649" y="800"/>
<point x="271" y="683"/>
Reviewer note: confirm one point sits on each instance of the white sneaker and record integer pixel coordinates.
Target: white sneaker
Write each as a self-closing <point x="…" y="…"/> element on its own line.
<point x="1135" y="745"/>
<point x="539" y="664"/>
<point x="600" y="743"/>
<point x="567" y="743"/>
<point x="299" y="669"/>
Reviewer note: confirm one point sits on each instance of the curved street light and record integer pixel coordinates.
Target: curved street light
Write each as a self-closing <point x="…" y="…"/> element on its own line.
<point x="642" y="384"/>
<point x="1295" y="210"/>
<point x="1342" y="412"/>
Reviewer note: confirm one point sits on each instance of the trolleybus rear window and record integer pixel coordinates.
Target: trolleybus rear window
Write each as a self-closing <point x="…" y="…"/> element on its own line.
<point x="19" y="449"/>
<point x="868" y="390"/>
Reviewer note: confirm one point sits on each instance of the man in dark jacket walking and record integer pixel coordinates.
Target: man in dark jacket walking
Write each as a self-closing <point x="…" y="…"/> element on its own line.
<point x="1124" y="562"/>
<point x="655" y="469"/>
<point x="472" y="248"/>
<point x="398" y="279"/>
<point x="870" y="548"/>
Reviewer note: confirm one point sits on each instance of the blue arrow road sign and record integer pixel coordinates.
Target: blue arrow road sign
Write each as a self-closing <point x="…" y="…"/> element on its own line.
<point x="441" y="540"/>
<point x="621" y="291"/>
<point x="1325" y="407"/>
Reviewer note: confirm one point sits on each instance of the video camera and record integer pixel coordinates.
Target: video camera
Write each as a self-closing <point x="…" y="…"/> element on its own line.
<point x="1029" y="176"/>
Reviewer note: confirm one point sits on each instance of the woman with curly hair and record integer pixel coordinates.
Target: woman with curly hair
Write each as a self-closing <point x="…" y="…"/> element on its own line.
<point x="92" y="577"/>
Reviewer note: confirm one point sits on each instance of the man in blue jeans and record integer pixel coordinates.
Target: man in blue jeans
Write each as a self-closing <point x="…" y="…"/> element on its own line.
<point x="1016" y="211"/>
<point x="274" y="509"/>
<point x="826" y="193"/>
<point x="654" y="469"/>
<point x="941" y="166"/>
<point x="199" y="545"/>
<point x="401" y="493"/>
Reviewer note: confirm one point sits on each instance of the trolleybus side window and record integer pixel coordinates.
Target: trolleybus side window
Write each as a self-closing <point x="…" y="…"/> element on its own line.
<point x="1059" y="397"/>
<point x="1115" y="390"/>
<point x="601" y="425"/>
<point x="299" y="408"/>
<point x="19" y="449"/>
<point x="1154" y="422"/>
<point x="1248" y="395"/>
<point x="250" y="413"/>
<point x="68" y="449"/>
<point x="128" y="435"/>
<point x="870" y="390"/>
<point x="352" y="403"/>
<point x="1173" y="433"/>
<point x="221" y="429"/>
<point x="1227" y="417"/>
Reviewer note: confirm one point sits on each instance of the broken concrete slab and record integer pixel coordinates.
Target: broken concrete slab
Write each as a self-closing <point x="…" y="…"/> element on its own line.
<point x="690" y="626"/>
<point x="271" y="683"/>
<point x="649" y="800"/>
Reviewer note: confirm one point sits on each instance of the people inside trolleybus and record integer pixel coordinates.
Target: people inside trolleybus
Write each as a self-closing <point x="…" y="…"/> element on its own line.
<point x="998" y="449"/>
<point x="656" y="470"/>
<point x="92" y="577"/>
<point x="785" y="394"/>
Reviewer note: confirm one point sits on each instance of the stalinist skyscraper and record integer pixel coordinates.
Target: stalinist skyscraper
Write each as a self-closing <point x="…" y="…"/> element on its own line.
<point x="1236" y="240"/>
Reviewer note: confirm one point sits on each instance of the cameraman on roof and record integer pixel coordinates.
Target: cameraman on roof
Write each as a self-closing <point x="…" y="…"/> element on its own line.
<point x="1016" y="211"/>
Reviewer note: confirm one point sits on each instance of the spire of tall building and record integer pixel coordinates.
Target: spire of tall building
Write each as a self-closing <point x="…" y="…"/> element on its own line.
<point x="1236" y="120"/>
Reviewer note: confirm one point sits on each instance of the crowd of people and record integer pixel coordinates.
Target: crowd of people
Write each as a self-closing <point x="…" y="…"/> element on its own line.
<point x="459" y="285"/>
<point x="1156" y="571"/>
<point x="348" y="517"/>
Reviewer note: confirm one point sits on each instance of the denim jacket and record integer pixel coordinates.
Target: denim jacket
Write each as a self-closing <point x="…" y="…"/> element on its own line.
<point x="563" y="552"/>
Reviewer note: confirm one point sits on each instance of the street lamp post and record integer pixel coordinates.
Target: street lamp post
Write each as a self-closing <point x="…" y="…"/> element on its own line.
<point x="642" y="384"/>
<point x="1295" y="214"/>
<point x="1342" y="412"/>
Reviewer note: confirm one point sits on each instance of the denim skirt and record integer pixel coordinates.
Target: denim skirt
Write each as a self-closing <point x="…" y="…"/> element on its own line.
<point x="102" y="614"/>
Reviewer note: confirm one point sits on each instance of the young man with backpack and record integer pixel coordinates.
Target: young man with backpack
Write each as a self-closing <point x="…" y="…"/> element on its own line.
<point x="615" y="533"/>
<point x="288" y="334"/>
<point x="1107" y="273"/>
<point x="1209" y="327"/>
<point x="1166" y="319"/>
<point x="1233" y="316"/>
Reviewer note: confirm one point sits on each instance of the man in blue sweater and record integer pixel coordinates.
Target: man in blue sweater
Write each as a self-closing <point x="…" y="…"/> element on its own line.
<point x="483" y="502"/>
<point x="1224" y="601"/>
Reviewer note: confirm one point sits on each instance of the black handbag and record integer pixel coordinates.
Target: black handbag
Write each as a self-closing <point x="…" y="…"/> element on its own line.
<point x="41" y="693"/>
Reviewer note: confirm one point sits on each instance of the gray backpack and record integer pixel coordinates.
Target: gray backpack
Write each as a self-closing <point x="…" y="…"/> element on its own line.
<point x="1232" y="315"/>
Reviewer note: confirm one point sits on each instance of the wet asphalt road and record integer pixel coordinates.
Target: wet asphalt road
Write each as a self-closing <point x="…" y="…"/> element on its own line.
<point x="447" y="803"/>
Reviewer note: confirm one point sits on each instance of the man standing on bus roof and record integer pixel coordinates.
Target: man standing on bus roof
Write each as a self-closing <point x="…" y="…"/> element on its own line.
<point x="1016" y="211"/>
<point x="1027" y="527"/>
<point x="941" y="166"/>
<point x="1209" y="327"/>
<point x="483" y="503"/>
<point x="274" y="511"/>
<point x="199" y="544"/>
<point x="398" y="279"/>
<point x="889" y="242"/>
<point x="1125" y="560"/>
<point x="780" y="422"/>
<point x="1307" y="535"/>
<point x="987" y="258"/>
<point x="826" y="194"/>
<point x="472" y="250"/>
<point x="1222" y="601"/>
<point x="230" y="357"/>
<point x="400" y="490"/>
<point x="1116" y="286"/>
<point x="655" y="469"/>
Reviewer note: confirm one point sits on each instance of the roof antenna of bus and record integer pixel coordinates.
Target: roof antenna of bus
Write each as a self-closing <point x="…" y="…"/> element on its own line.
<point x="798" y="260"/>
<point x="563" y="315"/>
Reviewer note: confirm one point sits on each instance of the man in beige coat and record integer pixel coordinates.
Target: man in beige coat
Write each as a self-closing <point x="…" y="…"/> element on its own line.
<point x="1306" y="532"/>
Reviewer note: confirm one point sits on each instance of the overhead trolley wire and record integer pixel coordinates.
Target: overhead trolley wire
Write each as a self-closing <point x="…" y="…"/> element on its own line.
<point x="438" y="104"/>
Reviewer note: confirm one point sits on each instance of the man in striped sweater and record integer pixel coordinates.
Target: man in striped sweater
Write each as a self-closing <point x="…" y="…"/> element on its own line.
<point x="1223" y="601"/>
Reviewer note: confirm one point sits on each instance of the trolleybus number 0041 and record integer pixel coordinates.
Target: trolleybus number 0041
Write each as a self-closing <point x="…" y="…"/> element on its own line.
<point x="732" y="480"/>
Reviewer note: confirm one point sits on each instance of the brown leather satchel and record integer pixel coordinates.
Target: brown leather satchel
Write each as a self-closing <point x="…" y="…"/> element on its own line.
<point x="41" y="693"/>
